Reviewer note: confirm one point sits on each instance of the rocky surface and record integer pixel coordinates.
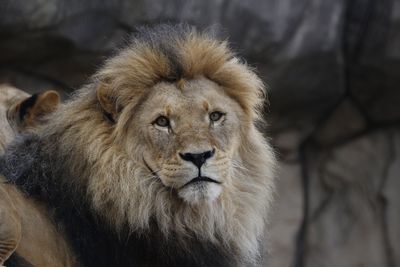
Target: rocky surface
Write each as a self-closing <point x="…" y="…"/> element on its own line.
<point x="333" y="71"/>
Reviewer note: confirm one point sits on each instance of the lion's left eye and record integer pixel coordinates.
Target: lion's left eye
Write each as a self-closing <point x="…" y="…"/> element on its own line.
<point x="162" y="121"/>
<point x="216" y="116"/>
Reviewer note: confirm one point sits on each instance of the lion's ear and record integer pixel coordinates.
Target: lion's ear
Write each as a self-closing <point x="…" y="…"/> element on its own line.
<point x="46" y="103"/>
<point x="107" y="102"/>
<point x="35" y="107"/>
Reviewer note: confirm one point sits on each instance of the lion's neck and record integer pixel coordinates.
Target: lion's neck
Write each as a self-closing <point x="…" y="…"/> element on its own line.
<point x="32" y="167"/>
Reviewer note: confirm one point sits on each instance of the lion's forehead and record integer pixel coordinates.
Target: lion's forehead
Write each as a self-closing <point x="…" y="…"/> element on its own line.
<point x="193" y="97"/>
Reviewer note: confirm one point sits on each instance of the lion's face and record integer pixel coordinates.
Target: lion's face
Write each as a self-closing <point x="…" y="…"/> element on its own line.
<point x="190" y="136"/>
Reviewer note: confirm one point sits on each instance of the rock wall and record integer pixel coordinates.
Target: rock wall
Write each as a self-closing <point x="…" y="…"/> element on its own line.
<point x="333" y="70"/>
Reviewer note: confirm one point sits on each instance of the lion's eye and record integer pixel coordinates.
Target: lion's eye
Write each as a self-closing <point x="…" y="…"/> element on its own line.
<point x="162" y="121"/>
<point x="216" y="115"/>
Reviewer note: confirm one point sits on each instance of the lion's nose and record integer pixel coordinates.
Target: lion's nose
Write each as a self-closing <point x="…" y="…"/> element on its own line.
<point x="197" y="159"/>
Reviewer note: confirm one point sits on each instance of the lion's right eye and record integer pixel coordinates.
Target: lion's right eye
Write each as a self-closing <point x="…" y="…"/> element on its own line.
<point x="216" y="116"/>
<point x="162" y="121"/>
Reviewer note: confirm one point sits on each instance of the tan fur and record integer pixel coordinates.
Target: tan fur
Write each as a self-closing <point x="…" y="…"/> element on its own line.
<point x="109" y="158"/>
<point x="10" y="226"/>
<point x="27" y="227"/>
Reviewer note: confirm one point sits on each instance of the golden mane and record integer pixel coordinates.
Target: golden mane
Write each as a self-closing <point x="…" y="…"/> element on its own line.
<point x="180" y="53"/>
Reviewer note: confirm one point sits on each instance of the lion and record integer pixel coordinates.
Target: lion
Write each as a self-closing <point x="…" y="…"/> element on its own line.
<point x="157" y="161"/>
<point x="20" y="218"/>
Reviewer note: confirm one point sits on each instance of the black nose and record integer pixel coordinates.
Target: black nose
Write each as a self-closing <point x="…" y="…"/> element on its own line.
<point x="199" y="158"/>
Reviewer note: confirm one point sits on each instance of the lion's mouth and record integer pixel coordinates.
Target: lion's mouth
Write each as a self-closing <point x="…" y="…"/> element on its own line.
<point x="200" y="179"/>
<point x="195" y="180"/>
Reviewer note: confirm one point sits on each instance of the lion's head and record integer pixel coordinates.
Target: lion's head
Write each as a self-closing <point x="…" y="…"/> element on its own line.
<point x="166" y="133"/>
<point x="189" y="135"/>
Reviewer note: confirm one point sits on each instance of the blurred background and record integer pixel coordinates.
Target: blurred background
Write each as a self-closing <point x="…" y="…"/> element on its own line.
<point x="333" y="72"/>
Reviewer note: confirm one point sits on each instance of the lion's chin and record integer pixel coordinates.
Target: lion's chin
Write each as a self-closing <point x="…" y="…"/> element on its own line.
<point x="200" y="193"/>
